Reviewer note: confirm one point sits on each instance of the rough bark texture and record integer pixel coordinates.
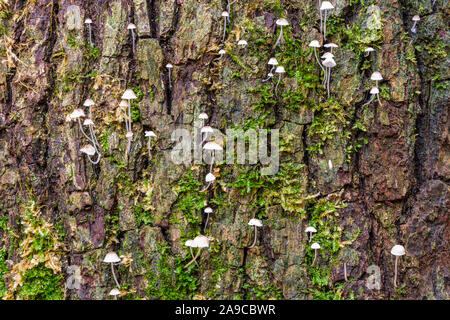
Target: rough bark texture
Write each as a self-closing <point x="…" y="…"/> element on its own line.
<point x="389" y="181"/>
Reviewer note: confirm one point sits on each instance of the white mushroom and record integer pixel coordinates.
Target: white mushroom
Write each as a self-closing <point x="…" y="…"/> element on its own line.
<point x="256" y="223"/>
<point x="213" y="147"/>
<point x="149" y="134"/>
<point x="114" y="292"/>
<point x="368" y="50"/>
<point x="89" y="22"/>
<point x="315" y="44"/>
<point x="207" y="210"/>
<point x="325" y="6"/>
<point x="376" y="76"/>
<point x="129" y="95"/>
<point x="373" y="92"/>
<point x="280" y="70"/>
<point x="132" y="27"/>
<point x="310" y="230"/>
<point x="415" y="19"/>
<point x="199" y="242"/>
<point x="226" y="17"/>
<point x="316" y="247"/>
<point x="329" y="63"/>
<point x="397" y="251"/>
<point x="169" y="66"/>
<point x="281" y="23"/>
<point x="112" y="258"/>
<point x="242" y="43"/>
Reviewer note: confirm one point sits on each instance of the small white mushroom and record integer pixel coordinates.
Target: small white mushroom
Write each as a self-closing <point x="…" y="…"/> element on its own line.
<point x="149" y="134"/>
<point x="213" y="147"/>
<point x="325" y="7"/>
<point x="415" y="19"/>
<point x="89" y="22"/>
<point x="169" y="66"/>
<point x="376" y="76"/>
<point x="281" y="23"/>
<point x="112" y="258"/>
<point x="199" y="242"/>
<point x="272" y="62"/>
<point x="132" y="27"/>
<point x="310" y="230"/>
<point x="226" y="17"/>
<point x="256" y="223"/>
<point x="316" y="247"/>
<point x="368" y="50"/>
<point x="207" y="210"/>
<point x="269" y="76"/>
<point x="129" y="95"/>
<point x="204" y="131"/>
<point x="397" y="251"/>
<point x="221" y="54"/>
<point x="373" y="92"/>
<point x="191" y="244"/>
<point x="114" y="292"/>
<point x="210" y="178"/>
<point x="242" y="43"/>
<point x="280" y="70"/>
<point x="315" y="44"/>
<point x="329" y="63"/>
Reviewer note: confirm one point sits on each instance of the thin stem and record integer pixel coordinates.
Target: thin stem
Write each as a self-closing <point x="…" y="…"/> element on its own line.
<point x="254" y="239"/>
<point x="96" y="161"/>
<point x="114" y="275"/>
<point x="273" y="67"/>
<point x="82" y="131"/>
<point x="207" y="219"/>
<point x="90" y="35"/>
<point x="224" y="27"/>
<point x="170" y="81"/>
<point x="328" y="82"/>
<point x="310" y="236"/>
<point x="395" y="276"/>
<point x="317" y="59"/>
<point x="315" y="256"/>
<point x="195" y="258"/>
<point x="132" y="36"/>
<point x="345" y="271"/>
<point x="325" y="25"/>
<point x="207" y="187"/>
<point x="320" y="4"/>
<point x="279" y="37"/>
<point x="129" y="112"/>
<point x="148" y="145"/>
<point x="276" y="87"/>
<point x="268" y="78"/>
<point x="212" y="162"/>
<point x="370" y="100"/>
<point x="413" y="29"/>
<point x="192" y="254"/>
<point x="379" y="100"/>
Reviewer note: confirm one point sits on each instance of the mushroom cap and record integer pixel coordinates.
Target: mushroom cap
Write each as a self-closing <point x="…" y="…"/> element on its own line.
<point x="369" y="49"/>
<point x="169" y="66"/>
<point x="416" y="18"/>
<point x="398" y="250"/>
<point x="330" y="164"/>
<point x="315" y="245"/>
<point x="282" y="22"/>
<point x="208" y="210"/>
<point x="376" y="76"/>
<point x="331" y="45"/>
<point x="123" y="103"/>
<point x="114" y="292"/>
<point x="129" y="95"/>
<point x="311" y="229"/>
<point x="88" y="122"/>
<point x="129" y="134"/>
<point x="207" y="129"/>
<point x="88" y="149"/>
<point x="210" y="177"/>
<point x="327" y="55"/>
<point x="201" y="241"/>
<point x="212" y="146"/>
<point x="111" y="257"/>
<point x="270" y="74"/>
<point x="272" y="62"/>
<point x="280" y="69"/>
<point x="329" y="63"/>
<point x="203" y="116"/>
<point x="150" y="134"/>
<point x="374" y="90"/>
<point x="88" y="103"/>
<point x="189" y="243"/>
<point x="242" y="43"/>
<point x="314" y="44"/>
<point x="222" y="51"/>
<point x="326" y="5"/>
<point x="255" y="222"/>
<point x="131" y="26"/>
<point x="77" y="113"/>
<point x="225" y="14"/>
<point x="88" y="21"/>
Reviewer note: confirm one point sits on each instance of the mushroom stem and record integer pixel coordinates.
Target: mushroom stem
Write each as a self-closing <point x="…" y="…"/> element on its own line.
<point x="395" y="275"/>
<point x="207" y="219"/>
<point x="84" y="133"/>
<point x="325" y="78"/>
<point x="413" y="29"/>
<point x="268" y="78"/>
<point x="224" y="27"/>
<point x="379" y="100"/>
<point x="370" y="100"/>
<point x="90" y="35"/>
<point x="320" y="11"/>
<point x="114" y="275"/>
<point x="328" y="82"/>
<point x="345" y="271"/>
<point x="310" y="236"/>
<point x="271" y="69"/>
<point x="254" y="239"/>
<point x="317" y="59"/>
<point x="132" y="37"/>
<point x="212" y="162"/>
<point x="193" y="259"/>
<point x="206" y="187"/>
<point x="192" y="254"/>
<point x="315" y="256"/>
<point x="148" y="145"/>
<point x="276" y="87"/>
<point x="325" y="25"/>
<point x="96" y="161"/>
<point x="170" y="81"/>
<point x="279" y="37"/>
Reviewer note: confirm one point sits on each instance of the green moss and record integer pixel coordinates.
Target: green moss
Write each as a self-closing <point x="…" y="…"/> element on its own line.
<point x="41" y="283"/>
<point x="3" y="271"/>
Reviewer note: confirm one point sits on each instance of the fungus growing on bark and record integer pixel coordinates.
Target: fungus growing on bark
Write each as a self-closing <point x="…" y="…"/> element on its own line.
<point x="226" y="17"/>
<point x="191" y="244"/>
<point x="149" y="134"/>
<point x="373" y="92"/>
<point x="256" y="223"/>
<point x="325" y="7"/>
<point x="368" y="50"/>
<point x="242" y="43"/>
<point x="89" y="22"/>
<point x="397" y="251"/>
<point x="112" y="258"/>
<point x="316" y="247"/>
<point x="221" y="54"/>
<point x="281" y="23"/>
<point x="280" y="70"/>
<point x="132" y="27"/>
<point x="199" y="242"/>
<point x="128" y="95"/>
<point x="415" y="19"/>
<point x="114" y="292"/>
<point x="272" y="62"/>
<point x="210" y="178"/>
<point x="169" y="67"/>
<point x="376" y="76"/>
<point x="310" y="230"/>
<point x="315" y="44"/>
<point x="213" y="147"/>
<point x="329" y="63"/>
<point x="207" y="210"/>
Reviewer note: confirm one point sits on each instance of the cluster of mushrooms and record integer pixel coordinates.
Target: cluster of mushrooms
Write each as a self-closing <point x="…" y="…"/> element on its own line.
<point x="202" y="241"/>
